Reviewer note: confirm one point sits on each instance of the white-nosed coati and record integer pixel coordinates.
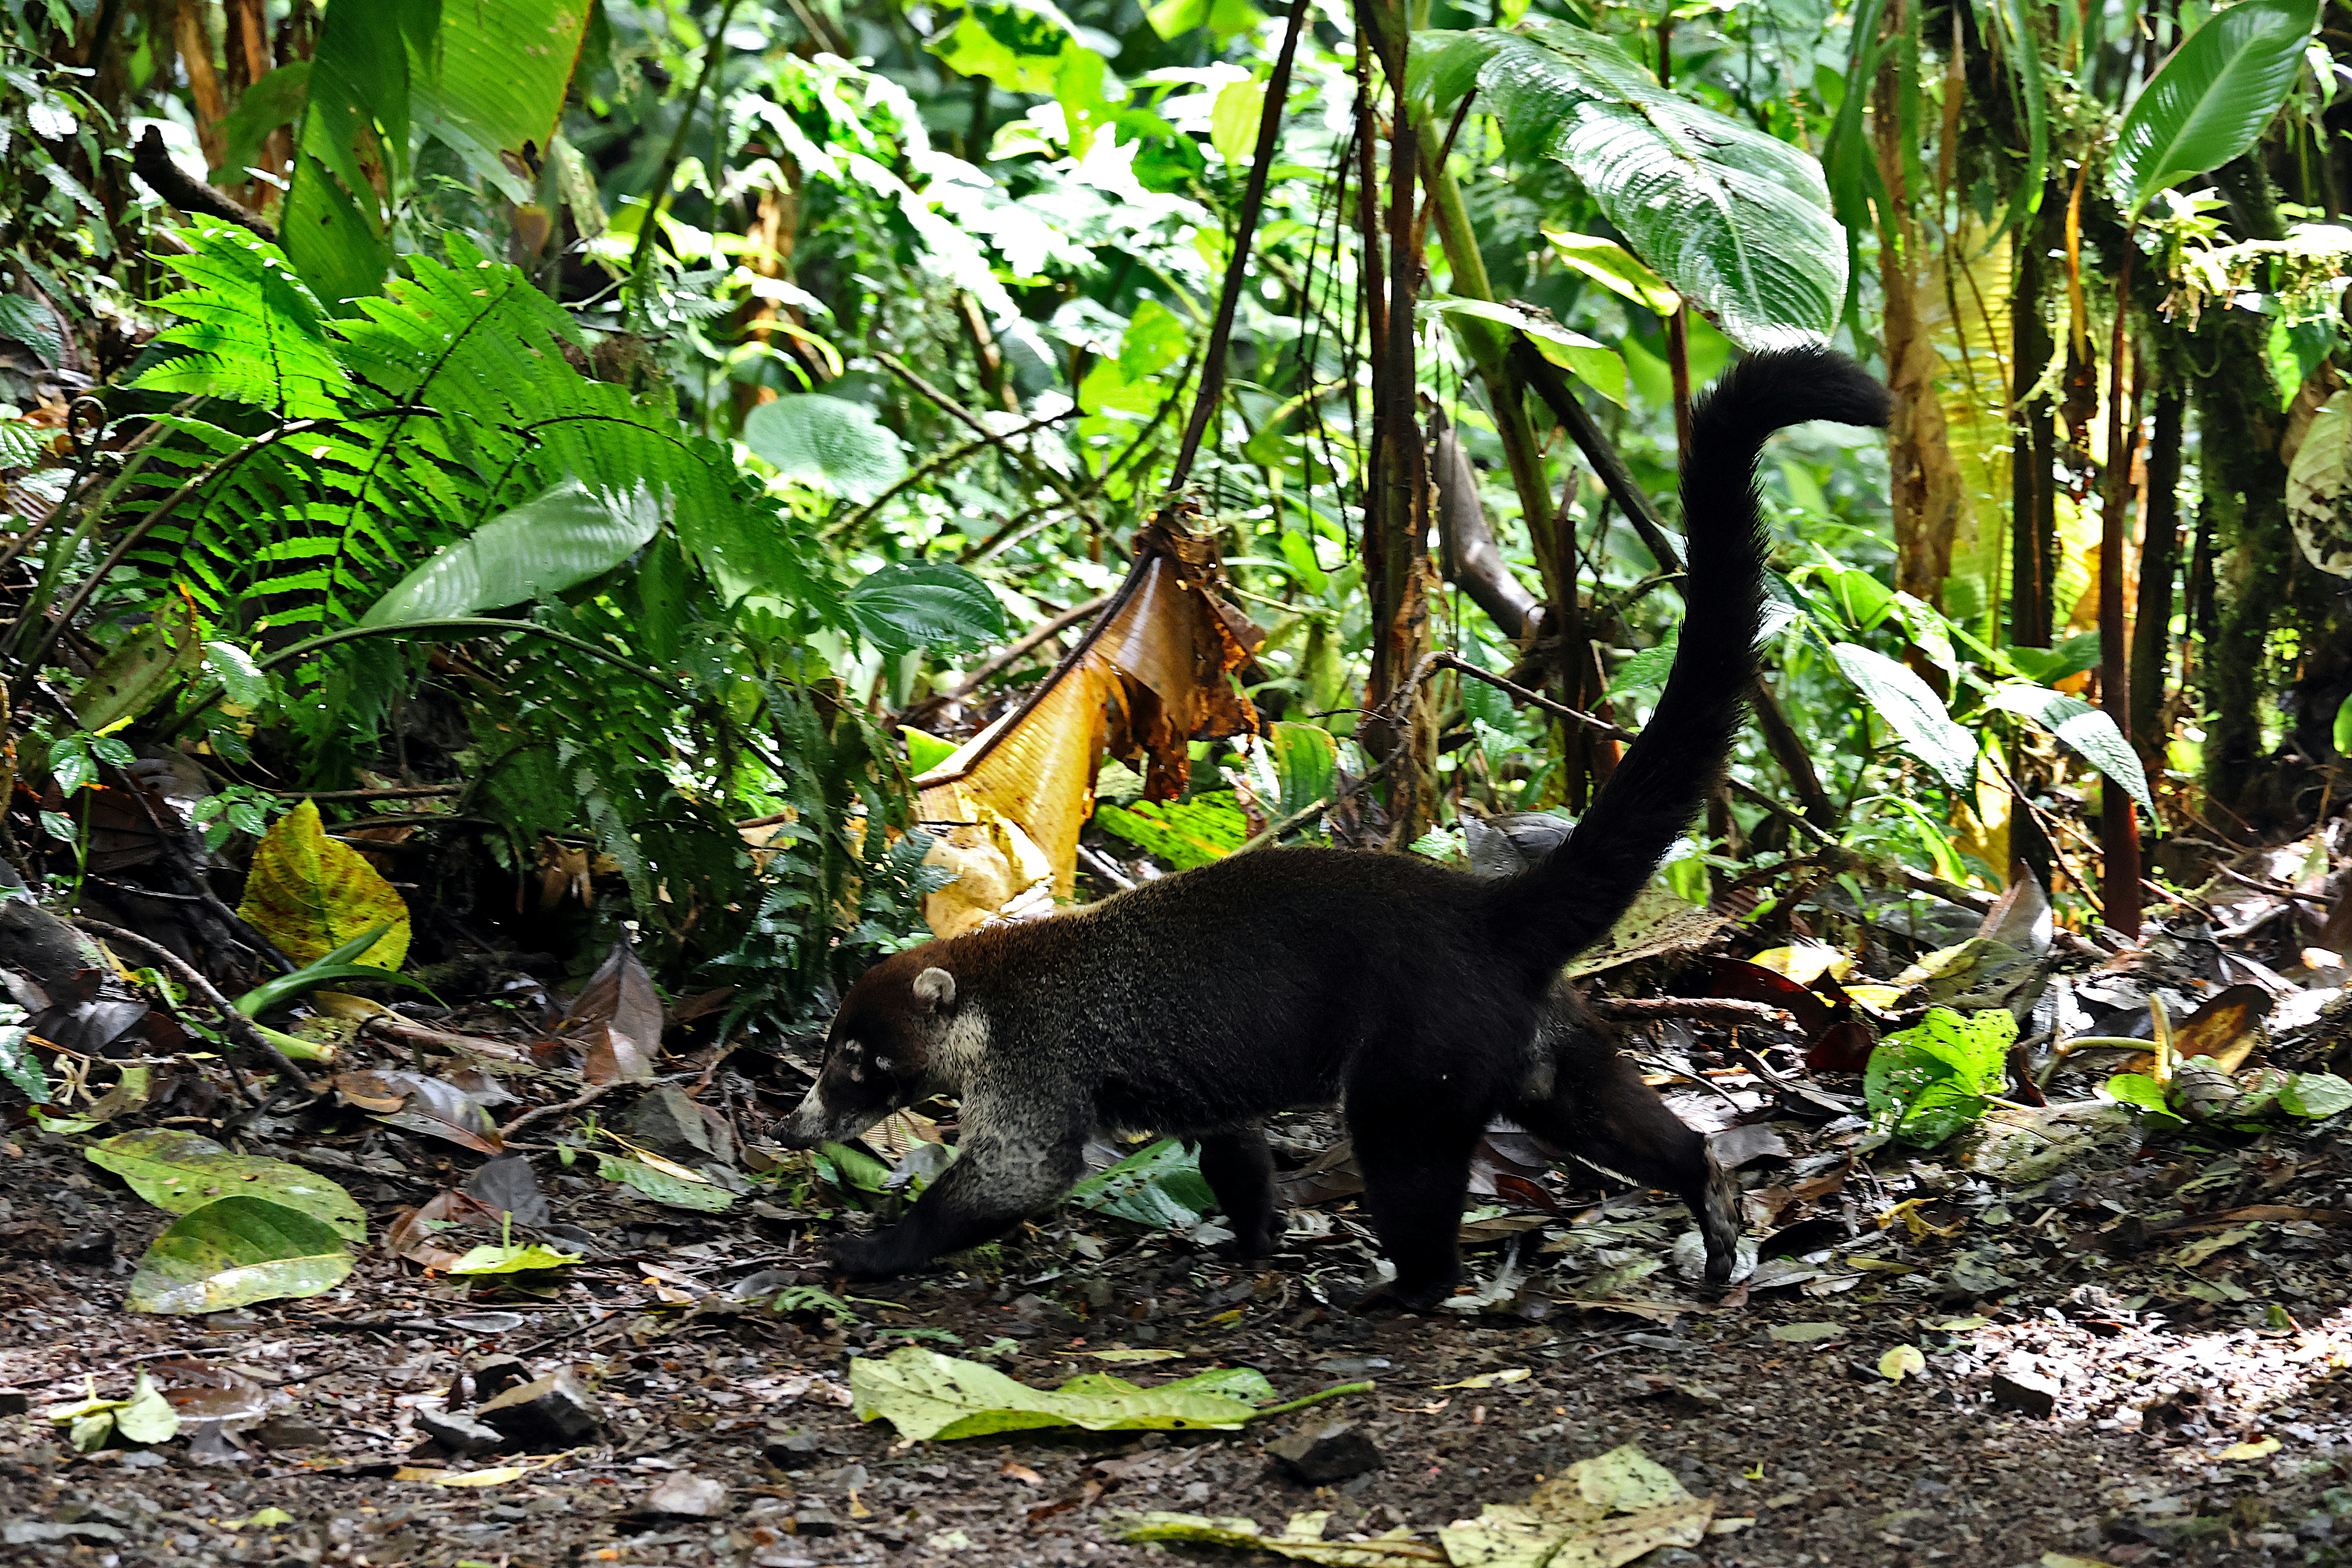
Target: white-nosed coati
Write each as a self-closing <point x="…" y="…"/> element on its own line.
<point x="1420" y="997"/>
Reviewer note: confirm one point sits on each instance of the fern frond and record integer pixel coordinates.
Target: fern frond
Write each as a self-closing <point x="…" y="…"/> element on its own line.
<point x="255" y="332"/>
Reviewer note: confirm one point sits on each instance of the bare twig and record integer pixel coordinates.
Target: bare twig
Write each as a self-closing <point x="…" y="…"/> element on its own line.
<point x="1013" y="651"/>
<point x="235" y="1022"/>
<point x="576" y="1101"/>
<point x="1706" y="1009"/>
<point x="946" y="405"/>
<point x="922" y="472"/>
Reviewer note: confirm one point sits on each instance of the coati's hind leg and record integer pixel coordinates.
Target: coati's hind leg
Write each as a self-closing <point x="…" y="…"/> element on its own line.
<point x="1239" y="1168"/>
<point x="1601" y="1113"/>
<point x="995" y="1182"/>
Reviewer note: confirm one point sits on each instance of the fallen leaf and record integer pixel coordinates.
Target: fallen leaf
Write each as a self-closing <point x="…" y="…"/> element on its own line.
<point x="925" y="1395"/>
<point x="2261" y="1447"/>
<point x="235" y="1251"/>
<point x="1804" y="1333"/>
<point x="617" y="1018"/>
<point x="310" y="895"/>
<point x="1901" y="1361"/>
<point x="432" y="1106"/>
<point x="181" y="1171"/>
<point x="1301" y="1540"/>
<point x="1491" y="1379"/>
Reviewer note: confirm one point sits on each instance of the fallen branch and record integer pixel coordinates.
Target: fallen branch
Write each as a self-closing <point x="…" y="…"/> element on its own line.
<point x="245" y="1032"/>
<point x="1706" y="1009"/>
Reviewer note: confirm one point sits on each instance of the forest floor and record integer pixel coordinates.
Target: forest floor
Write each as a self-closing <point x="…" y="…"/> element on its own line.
<point x="2140" y="1365"/>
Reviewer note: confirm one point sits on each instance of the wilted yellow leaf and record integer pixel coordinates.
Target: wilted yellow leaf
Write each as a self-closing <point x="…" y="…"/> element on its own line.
<point x="310" y="895"/>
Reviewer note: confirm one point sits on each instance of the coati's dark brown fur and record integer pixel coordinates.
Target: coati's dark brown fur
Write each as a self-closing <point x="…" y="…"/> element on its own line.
<point x="1421" y="998"/>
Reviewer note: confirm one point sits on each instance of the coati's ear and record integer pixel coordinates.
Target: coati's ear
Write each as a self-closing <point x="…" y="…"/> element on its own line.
<point x="934" y="988"/>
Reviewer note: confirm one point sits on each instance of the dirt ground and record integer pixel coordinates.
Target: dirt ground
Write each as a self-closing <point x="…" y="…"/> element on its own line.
<point x="2142" y="1366"/>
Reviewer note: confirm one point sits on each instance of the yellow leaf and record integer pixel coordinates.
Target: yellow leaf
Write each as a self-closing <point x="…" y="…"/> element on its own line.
<point x="2258" y="1449"/>
<point x="310" y="895"/>
<point x="1902" y="1359"/>
<point x="1491" y="1379"/>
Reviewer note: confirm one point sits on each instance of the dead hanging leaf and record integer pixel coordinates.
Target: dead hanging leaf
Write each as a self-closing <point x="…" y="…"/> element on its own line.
<point x="310" y="895"/>
<point x="617" y="1016"/>
<point x="1149" y="674"/>
<point x="432" y="1106"/>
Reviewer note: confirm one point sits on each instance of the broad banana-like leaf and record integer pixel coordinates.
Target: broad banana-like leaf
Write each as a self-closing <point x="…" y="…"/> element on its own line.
<point x="495" y="93"/>
<point x="555" y="540"/>
<point x="350" y="160"/>
<point x="2207" y="103"/>
<point x="488" y="77"/>
<point x="1736" y="220"/>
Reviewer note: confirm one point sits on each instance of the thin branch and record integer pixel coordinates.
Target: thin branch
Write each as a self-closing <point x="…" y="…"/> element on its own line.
<point x="248" y="1034"/>
<point x="944" y="460"/>
<point x="658" y="195"/>
<point x="1013" y="651"/>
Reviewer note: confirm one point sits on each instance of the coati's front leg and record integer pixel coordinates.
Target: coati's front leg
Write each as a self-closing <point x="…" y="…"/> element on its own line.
<point x="996" y="1183"/>
<point x="1239" y="1168"/>
<point x="1416" y="1173"/>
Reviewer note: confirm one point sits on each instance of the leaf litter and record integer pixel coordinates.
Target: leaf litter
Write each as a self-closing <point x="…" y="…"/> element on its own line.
<point x="2124" y="1322"/>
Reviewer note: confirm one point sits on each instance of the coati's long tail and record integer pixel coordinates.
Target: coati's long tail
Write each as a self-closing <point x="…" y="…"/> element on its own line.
<point x="1568" y="901"/>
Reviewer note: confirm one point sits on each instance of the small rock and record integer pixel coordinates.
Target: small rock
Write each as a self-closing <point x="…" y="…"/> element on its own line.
<point x="687" y="1496"/>
<point x="93" y="1245"/>
<point x="289" y="1432"/>
<point x="35" y="1531"/>
<point x="790" y="1450"/>
<point x="2036" y="1396"/>
<point x="1318" y="1457"/>
<point x="460" y="1434"/>
<point x="673" y="1124"/>
<point x="554" y="1412"/>
<point x="494" y="1374"/>
<point x="811" y="1518"/>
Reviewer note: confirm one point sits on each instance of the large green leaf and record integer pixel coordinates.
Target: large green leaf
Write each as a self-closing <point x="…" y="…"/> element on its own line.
<point x="2089" y="733"/>
<point x="1914" y="712"/>
<point x="557" y="540"/>
<point x="238" y="1250"/>
<point x="1736" y="219"/>
<point x="925" y="605"/>
<point x="1160" y="1186"/>
<point x="495" y="91"/>
<point x="350" y="157"/>
<point x="925" y="1395"/>
<point x="276" y="99"/>
<point x="2207" y="103"/>
<point x="826" y="443"/>
<point x="183" y="1171"/>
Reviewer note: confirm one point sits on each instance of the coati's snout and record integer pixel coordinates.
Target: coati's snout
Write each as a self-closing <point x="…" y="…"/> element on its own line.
<point x="877" y="1053"/>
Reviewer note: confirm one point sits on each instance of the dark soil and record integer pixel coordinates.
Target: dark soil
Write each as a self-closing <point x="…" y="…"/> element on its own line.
<point x="2169" y="1349"/>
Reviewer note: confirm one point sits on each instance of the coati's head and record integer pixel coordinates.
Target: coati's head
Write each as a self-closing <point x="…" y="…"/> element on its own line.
<point x="883" y="1051"/>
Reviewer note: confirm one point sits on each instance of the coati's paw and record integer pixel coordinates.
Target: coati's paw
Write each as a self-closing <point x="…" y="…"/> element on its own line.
<point x="1255" y="1243"/>
<point x="1397" y="1295"/>
<point x="864" y="1256"/>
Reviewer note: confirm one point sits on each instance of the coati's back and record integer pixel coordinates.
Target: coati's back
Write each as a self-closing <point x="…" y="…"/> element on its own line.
<point x="1253" y="978"/>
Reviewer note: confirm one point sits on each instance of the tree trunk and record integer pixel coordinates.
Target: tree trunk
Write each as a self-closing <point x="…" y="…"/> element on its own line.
<point x="2244" y="505"/>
